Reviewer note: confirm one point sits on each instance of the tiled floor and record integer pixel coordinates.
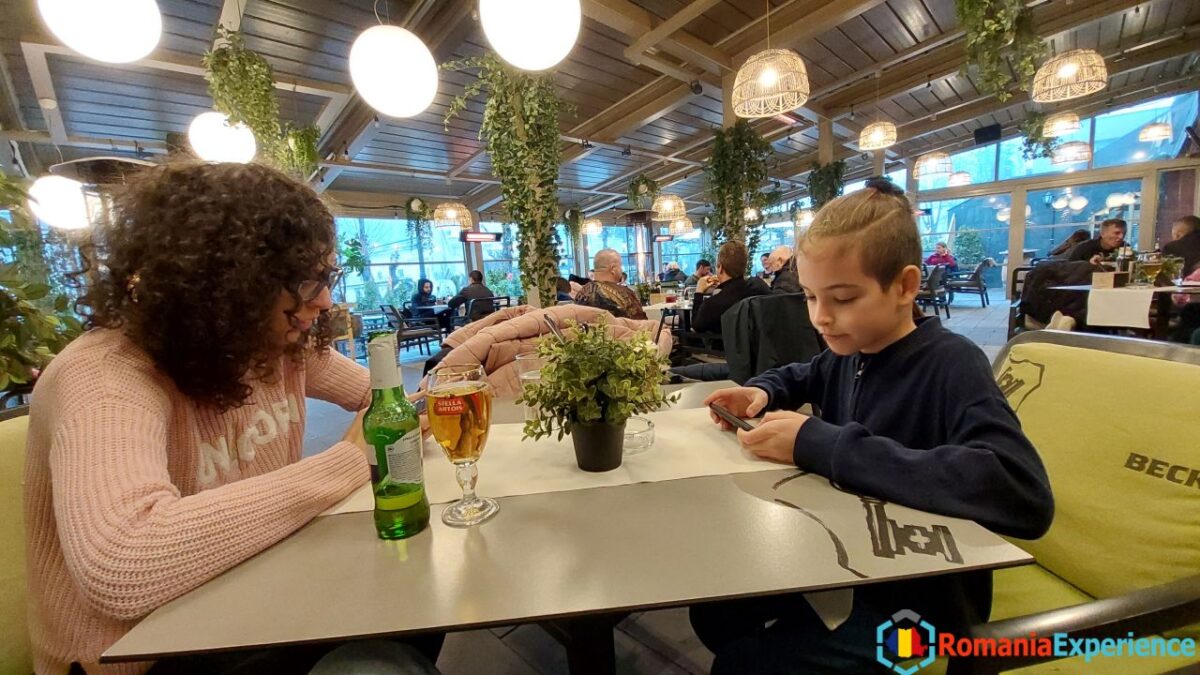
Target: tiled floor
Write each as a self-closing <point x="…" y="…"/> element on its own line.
<point x="649" y="643"/>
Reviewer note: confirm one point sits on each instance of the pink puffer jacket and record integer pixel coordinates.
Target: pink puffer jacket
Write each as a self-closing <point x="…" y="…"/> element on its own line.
<point x="496" y="340"/>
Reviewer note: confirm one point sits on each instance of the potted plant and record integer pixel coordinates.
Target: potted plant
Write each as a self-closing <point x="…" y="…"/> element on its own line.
<point x="591" y="384"/>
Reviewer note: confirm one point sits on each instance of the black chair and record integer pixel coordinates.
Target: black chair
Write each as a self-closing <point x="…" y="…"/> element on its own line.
<point x="970" y="282"/>
<point x="1016" y="313"/>
<point x="412" y="331"/>
<point x="934" y="293"/>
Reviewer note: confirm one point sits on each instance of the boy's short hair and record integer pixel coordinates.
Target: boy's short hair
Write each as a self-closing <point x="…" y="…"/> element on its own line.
<point x="1191" y="223"/>
<point x="878" y="221"/>
<point x="703" y="263"/>
<point x="1115" y="222"/>
<point x="732" y="259"/>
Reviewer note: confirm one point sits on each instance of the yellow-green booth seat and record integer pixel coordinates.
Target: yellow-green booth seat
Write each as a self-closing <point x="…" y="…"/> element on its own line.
<point x="14" y="647"/>
<point x="1117" y="424"/>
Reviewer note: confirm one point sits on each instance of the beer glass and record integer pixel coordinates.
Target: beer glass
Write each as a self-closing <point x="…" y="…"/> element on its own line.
<point x="460" y="415"/>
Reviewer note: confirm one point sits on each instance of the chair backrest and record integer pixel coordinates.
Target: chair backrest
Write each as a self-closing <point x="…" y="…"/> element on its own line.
<point x="394" y="318"/>
<point x="765" y="331"/>
<point x="14" y="648"/>
<point x="1114" y="420"/>
<point x="1017" y="283"/>
<point x="934" y="282"/>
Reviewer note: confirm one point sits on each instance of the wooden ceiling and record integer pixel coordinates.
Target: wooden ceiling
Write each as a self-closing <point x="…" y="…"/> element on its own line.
<point x="628" y="80"/>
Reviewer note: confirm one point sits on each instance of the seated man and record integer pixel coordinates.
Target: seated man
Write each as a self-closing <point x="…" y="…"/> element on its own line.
<point x="605" y="290"/>
<point x="474" y="291"/>
<point x="715" y="295"/>
<point x="674" y="274"/>
<point x="1112" y="237"/>
<point x="765" y="274"/>
<point x="1185" y="243"/>
<point x="703" y="269"/>
<point x="784" y="264"/>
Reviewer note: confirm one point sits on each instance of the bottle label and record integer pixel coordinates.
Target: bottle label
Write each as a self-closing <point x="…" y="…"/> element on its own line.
<point x="404" y="459"/>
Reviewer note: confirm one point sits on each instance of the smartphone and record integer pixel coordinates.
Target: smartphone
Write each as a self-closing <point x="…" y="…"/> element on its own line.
<point x="736" y="421"/>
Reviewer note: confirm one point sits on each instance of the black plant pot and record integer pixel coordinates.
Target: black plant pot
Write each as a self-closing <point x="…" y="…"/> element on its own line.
<point x="598" y="446"/>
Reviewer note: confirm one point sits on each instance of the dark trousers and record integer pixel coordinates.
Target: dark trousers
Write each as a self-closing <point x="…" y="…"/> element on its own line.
<point x="796" y="641"/>
<point x="1189" y="323"/>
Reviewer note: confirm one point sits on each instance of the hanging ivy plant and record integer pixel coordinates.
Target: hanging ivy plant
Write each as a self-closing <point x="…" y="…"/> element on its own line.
<point x="520" y="131"/>
<point x="242" y="86"/>
<point x="354" y="256"/>
<point x="735" y="173"/>
<point x="825" y="182"/>
<point x="1037" y="144"/>
<point x="1000" y="34"/>
<point x="572" y="218"/>
<point x="642" y="192"/>
<point x="418" y="213"/>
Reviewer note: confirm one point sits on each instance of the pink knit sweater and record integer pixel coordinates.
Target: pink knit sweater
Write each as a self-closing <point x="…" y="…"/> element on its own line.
<point x="135" y="495"/>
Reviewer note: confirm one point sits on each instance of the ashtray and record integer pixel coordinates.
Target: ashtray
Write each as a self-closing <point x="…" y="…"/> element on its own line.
<point x="639" y="435"/>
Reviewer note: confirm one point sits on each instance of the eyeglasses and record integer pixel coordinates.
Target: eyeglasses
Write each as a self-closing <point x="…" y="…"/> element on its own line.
<point x="310" y="289"/>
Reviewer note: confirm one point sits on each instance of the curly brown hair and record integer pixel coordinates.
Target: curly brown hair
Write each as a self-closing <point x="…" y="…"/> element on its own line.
<point x="191" y="264"/>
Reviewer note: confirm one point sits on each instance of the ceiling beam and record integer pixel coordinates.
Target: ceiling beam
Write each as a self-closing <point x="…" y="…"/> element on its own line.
<point x="799" y="21"/>
<point x="667" y="28"/>
<point x="945" y="60"/>
<point x="87" y="142"/>
<point x="630" y="19"/>
<point x="43" y="88"/>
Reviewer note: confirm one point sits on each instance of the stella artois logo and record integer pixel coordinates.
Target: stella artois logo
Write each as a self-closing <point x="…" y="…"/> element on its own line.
<point x="453" y="405"/>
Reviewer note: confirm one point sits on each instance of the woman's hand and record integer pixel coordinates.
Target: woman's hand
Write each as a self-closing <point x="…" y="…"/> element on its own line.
<point x="741" y="401"/>
<point x="775" y="438"/>
<point x="354" y="434"/>
<point x="705" y="283"/>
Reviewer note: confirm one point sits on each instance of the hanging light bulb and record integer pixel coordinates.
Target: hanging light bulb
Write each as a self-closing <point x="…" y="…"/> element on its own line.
<point x="933" y="164"/>
<point x="1003" y="215"/>
<point x="1156" y="131"/>
<point x="592" y="226"/>
<point x="452" y="214"/>
<point x="1060" y="124"/>
<point x="531" y="34"/>
<point x="215" y="140"/>
<point x="113" y="32"/>
<point x="1061" y="202"/>
<point x="1114" y="200"/>
<point x="805" y="217"/>
<point x="393" y="71"/>
<point x="1078" y="202"/>
<point x="1072" y="153"/>
<point x="877" y="136"/>
<point x="668" y="207"/>
<point x="771" y="82"/>
<point x="750" y="214"/>
<point x="1069" y="75"/>
<point x="59" y="202"/>
<point x="959" y="178"/>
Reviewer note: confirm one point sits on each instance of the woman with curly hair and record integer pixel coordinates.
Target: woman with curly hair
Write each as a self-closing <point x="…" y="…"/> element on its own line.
<point x="165" y="443"/>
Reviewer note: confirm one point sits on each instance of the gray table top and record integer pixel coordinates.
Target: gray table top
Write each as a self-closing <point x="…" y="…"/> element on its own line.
<point x="562" y="554"/>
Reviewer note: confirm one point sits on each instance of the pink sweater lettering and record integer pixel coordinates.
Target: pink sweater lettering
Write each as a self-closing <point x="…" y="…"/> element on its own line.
<point x="135" y="495"/>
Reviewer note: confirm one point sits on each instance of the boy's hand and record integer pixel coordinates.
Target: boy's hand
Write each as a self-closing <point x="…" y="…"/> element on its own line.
<point x="741" y="401"/>
<point x="775" y="437"/>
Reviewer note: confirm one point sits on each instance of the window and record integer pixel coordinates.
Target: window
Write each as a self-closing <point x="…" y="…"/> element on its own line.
<point x="1117" y="132"/>
<point x="686" y="250"/>
<point x="1055" y="214"/>
<point x="979" y="163"/>
<point x="973" y="229"/>
<point x="627" y="240"/>
<point x="1014" y="165"/>
<point x="395" y="262"/>
<point x="501" y="263"/>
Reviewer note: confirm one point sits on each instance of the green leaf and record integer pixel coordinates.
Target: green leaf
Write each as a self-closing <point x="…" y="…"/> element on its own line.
<point x="36" y="291"/>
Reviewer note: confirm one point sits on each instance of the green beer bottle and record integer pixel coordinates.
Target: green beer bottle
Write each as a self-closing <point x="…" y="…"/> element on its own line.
<point x="393" y="428"/>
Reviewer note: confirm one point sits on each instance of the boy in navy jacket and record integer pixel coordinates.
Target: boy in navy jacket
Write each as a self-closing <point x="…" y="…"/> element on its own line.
<point x="909" y="413"/>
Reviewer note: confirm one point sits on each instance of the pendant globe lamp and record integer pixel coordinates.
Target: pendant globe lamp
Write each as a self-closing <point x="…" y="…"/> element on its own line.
<point x="393" y="71"/>
<point x="771" y="82"/>
<point x="214" y="139"/>
<point x="1079" y="72"/>
<point x="593" y="226"/>
<point x="935" y="163"/>
<point x="877" y="136"/>
<point x="680" y="226"/>
<point x="59" y="202"/>
<point x="531" y="34"/>
<point x="108" y="31"/>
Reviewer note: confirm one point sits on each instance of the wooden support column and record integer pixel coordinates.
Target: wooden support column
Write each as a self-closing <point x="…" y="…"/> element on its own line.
<point x="825" y="140"/>
<point x="728" y="119"/>
<point x="1016" y="238"/>
<point x="1148" y="226"/>
<point x="877" y="161"/>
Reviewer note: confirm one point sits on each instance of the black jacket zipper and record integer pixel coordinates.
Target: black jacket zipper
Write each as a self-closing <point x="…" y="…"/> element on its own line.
<point x="861" y="366"/>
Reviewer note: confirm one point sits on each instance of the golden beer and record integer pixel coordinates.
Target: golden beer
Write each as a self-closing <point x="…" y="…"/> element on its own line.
<point x="460" y="414"/>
